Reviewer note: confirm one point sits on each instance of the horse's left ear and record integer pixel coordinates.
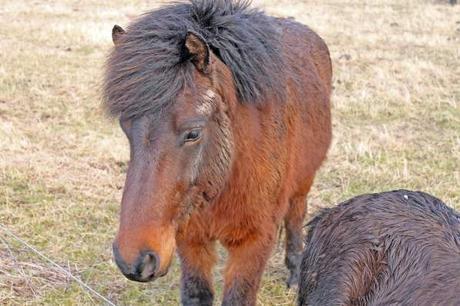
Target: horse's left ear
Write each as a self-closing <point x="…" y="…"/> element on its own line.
<point x="198" y="50"/>
<point x="117" y="33"/>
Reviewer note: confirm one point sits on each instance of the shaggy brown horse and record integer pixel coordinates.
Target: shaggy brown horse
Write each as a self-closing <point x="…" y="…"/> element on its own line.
<point x="228" y="118"/>
<point x="392" y="248"/>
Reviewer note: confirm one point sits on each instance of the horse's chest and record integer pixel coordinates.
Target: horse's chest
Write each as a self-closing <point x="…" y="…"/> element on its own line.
<point x="240" y="216"/>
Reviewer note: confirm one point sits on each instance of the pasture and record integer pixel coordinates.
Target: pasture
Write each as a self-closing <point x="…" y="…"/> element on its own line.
<point x="396" y="124"/>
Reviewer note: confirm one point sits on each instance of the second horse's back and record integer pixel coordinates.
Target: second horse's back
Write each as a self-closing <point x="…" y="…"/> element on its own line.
<point x="392" y="248"/>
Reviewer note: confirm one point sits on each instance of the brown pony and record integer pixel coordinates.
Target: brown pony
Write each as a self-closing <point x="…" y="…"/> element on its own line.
<point x="228" y="118"/>
<point x="392" y="248"/>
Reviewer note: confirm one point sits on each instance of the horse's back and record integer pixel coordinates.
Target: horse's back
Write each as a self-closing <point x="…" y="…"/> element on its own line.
<point x="304" y="47"/>
<point x="308" y="73"/>
<point x="399" y="247"/>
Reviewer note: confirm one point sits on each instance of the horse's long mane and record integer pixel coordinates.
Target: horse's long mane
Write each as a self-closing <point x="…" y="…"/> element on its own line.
<point x="147" y="69"/>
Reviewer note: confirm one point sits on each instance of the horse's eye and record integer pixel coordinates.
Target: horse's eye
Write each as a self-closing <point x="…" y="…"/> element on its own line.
<point x="192" y="135"/>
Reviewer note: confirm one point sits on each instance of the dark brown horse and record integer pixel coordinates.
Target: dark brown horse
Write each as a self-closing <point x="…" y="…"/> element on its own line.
<point x="392" y="248"/>
<point x="228" y="117"/>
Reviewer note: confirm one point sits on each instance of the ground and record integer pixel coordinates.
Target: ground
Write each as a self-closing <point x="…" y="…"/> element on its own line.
<point x="62" y="161"/>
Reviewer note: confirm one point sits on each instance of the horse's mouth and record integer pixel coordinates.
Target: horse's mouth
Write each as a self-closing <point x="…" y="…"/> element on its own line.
<point x="148" y="279"/>
<point x="162" y="273"/>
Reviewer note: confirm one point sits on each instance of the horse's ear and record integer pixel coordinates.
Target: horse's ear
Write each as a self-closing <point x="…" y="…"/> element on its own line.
<point x="198" y="50"/>
<point x="117" y="33"/>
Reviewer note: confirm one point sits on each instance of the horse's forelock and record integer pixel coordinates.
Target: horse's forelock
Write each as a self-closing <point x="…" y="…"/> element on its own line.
<point x="147" y="70"/>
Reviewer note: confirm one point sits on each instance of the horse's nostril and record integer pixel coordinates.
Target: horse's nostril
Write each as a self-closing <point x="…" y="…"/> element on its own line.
<point x="144" y="269"/>
<point x="147" y="266"/>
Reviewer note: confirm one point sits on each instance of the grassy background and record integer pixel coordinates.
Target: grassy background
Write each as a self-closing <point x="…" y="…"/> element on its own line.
<point x="62" y="163"/>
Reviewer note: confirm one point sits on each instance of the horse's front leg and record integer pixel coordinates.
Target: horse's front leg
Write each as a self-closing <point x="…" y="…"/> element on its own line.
<point x="294" y="238"/>
<point x="245" y="266"/>
<point x="197" y="257"/>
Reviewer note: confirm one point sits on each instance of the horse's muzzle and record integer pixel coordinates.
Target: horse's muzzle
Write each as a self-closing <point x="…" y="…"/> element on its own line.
<point x="144" y="269"/>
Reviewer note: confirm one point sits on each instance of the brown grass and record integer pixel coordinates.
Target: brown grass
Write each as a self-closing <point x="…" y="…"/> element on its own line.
<point x="62" y="163"/>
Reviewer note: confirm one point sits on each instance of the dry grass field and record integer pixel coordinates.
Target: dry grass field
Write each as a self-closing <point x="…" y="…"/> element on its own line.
<point x="62" y="161"/>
